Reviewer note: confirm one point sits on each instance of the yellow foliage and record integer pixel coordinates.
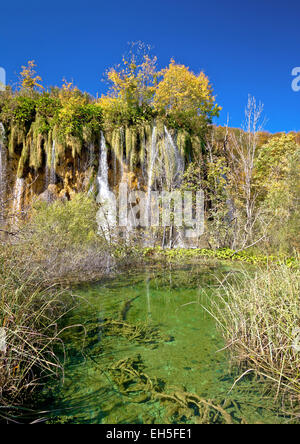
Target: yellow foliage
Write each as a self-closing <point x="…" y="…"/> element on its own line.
<point x="274" y="160"/>
<point x="29" y="79"/>
<point x="181" y="90"/>
<point x="134" y="81"/>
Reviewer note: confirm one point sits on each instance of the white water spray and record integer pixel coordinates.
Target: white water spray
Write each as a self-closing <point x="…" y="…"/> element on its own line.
<point x="122" y="142"/>
<point x="52" y="169"/>
<point x="103" y="171"/>
<point x="106" y="216"/>
<point x="176" y="161"/>
<point x="91" y="155"/>
<point x="151" y="160"/>
<point x="18" y="195"/>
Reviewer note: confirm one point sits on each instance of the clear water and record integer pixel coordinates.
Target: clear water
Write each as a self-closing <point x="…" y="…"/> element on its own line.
<point x="171" y="299"/>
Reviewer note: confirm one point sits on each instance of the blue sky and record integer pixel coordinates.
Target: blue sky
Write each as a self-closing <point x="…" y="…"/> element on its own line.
<point x="245" y="47"/>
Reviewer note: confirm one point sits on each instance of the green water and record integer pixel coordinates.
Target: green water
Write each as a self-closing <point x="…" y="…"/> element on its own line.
<point x="186" y="358"/>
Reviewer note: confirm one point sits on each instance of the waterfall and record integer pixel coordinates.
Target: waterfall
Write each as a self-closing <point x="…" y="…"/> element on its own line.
<point x="18" y="194"/>
<point x="47" y="175"/>
<point x="174" y="177"/>
<point x="106" y="216"/>
<point x="2" y="169"/>
<point x="145" y="150"/>
<point x="90" y="164"/>
<point x="91" y="155"/>
<point x="151" y="165"/>
<point x="176" y="161"/>
<point x="52" y="169"/>
<point x="114" y="168"/>
<point x="103" y="171"/>
<point x="122" y="142"/>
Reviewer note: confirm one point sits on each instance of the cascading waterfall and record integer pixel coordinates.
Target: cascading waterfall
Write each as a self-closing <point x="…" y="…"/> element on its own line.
<point x="122" y="139"/>
<point x="53" y="169"/>
<point x="176" y="161"/>
<point x="47" y="175"/>
<point x="114" y="163"/>
<point x="106" y="216"/>
<point x="18" y="194"/>
<point x="145" y="150"/>
<point x="103" y="170"/>
<point x="151" y="164"/>
<point x="91" y="155"/>
<point x="91" y="161"/>
<point x="174" y="178"/>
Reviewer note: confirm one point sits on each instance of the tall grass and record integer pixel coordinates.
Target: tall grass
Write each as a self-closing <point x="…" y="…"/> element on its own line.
<point x="259" y="315"/>
<point x="58" y="244"/>
<point x="29" y="315"/>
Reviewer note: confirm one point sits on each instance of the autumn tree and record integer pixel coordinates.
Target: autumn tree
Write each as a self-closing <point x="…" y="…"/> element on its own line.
<point x="278" y="176"/>
<point x="185" y="96"/>
<point x="132" y="84"/>
<point x="29" y="80"/>
<point x="274" y="161"/>
<point x="242" y="150"/>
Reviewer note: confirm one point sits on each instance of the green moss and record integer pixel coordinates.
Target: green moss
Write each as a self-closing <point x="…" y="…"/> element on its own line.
<point x="24" y="112"/>
<point x="12" y="141"/>
<point x="24" y="159"/>
<point x="116" y="144"/>
<point x="36" y="145"/>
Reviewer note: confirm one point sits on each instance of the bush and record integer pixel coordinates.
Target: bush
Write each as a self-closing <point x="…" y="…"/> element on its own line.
<point x="62" y="241"/>
<point x="260" y="319"/>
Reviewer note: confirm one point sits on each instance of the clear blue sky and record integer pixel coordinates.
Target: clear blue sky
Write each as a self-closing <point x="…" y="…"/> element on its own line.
<point x="244" y="47"/>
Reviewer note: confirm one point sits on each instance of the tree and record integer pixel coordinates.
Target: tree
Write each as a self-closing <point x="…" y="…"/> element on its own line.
<point x="185" y="96"/>
<point x="242" y="149"/>
<point x="29" y="79"/>
<point x="274" y="160"/>
<point x="278" y="175"/>
<point x="133" y="81"/>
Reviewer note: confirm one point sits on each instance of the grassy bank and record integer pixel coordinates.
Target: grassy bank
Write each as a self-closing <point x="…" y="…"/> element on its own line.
<point x="29" y="316"/>
<point x="194" y="254"/>
<point x="260" y="319"/>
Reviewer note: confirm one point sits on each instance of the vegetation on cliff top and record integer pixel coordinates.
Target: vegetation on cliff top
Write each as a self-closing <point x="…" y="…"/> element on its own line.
<point x="34" y="116"/>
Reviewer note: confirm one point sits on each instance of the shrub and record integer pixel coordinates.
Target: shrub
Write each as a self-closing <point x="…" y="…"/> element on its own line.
<point x="260" y="318"/>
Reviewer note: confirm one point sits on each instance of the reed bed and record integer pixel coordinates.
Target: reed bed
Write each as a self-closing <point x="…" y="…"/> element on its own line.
<point x="259" y="314"/>
<point x="29" y="316"/>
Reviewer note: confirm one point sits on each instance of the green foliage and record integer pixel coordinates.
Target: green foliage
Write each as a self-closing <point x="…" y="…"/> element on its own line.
<point x="24" y="111"/>
<point x="71" y="223"/>
<point x="182" y="254"/>
<point x="278" y="176"/>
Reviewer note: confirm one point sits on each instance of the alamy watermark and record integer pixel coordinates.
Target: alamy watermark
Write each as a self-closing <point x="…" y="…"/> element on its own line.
<point x="139" y="209"/>
<point x="2" y="79"/>
<point x="296" y="80"/>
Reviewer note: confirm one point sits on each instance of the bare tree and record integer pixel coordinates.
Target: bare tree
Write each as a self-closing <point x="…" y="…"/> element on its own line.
<point x="242" y="148"/>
